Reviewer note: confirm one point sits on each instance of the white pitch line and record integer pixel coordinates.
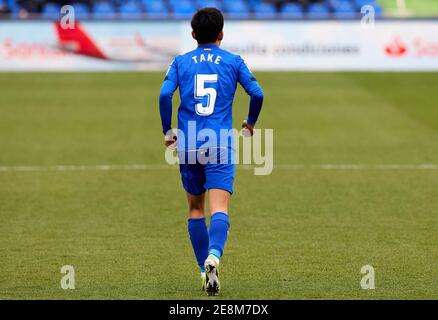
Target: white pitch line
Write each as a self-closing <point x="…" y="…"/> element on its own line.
<point x="424" y="166"/>
<point x="151" y="167"/>
<point x="102" y="167"/>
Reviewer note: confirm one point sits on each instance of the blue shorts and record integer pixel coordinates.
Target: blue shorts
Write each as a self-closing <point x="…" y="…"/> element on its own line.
<point x="215" y="170"/>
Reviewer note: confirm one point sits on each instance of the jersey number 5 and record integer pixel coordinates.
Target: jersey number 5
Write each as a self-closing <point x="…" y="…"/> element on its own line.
<point x="201" y="91"/>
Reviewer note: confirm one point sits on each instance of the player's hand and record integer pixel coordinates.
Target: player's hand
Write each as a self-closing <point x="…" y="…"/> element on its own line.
<point x="170" y="140"/>
<point x="248" y="130"/>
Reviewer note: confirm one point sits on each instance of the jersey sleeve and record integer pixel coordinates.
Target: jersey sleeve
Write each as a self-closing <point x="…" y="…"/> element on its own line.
<point x="168" y="88"/>
<point x="172" y="72"/>
<point x="252" y="88"/>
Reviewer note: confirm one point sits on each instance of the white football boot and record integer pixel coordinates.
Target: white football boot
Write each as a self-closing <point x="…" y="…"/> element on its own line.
<point x="212" y="275"/>
<point x="203" y="281"/>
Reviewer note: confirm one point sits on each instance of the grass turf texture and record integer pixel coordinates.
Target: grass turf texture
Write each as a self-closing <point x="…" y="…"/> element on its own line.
<point x="428" y="8"/>
<point x="295" y="234"/>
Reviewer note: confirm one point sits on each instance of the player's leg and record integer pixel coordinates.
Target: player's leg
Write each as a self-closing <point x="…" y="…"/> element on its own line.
<point x="196" y="205"/>
<point x="219" y="224"/>
<point x="193" y="180"/>
<point x="219" y="182"/>
<point x="198" y="232"/>
<point x="218" y="200"/>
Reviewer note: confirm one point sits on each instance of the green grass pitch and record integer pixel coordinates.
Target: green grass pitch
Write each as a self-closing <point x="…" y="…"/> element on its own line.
<point x="300" y="233"/>
<point x="427" y="8"/>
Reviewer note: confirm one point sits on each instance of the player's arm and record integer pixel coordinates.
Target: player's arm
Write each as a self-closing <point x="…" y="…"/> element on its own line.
<point x="253" y="89"/>
<point x="168" y="88"/>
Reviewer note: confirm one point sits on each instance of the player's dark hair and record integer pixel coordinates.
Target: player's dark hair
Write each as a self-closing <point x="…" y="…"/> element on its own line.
<point x="207" y="23"/>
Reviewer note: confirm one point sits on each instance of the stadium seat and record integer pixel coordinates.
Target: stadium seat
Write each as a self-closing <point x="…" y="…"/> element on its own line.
<point x="318" y="11"/>
<point x="209" y="4"/>
<point x="81" y="10"/>
<point x="344" y="10"/>
<point x="14" y="8"/>
<point x="265" y="11"/>
<point x="377" y="8"/>
<point x="11" y="4"/>
<point x="292" y="11"/>
<point x="254" y="3"/>
<point x="155" y="9"/>
<point x="360" y="3"/>
<point x="51" y="11"/>
<point x="337" y="3"/>
<point x="130" y="10"/>
<point x="378" y="11"/>
<point x="4" y="6"/>
<point x="236" y="9"/>
<point x="183" y="9"/>
<point x="103" y="10"/>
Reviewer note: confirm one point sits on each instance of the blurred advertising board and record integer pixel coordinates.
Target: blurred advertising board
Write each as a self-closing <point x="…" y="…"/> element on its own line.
<point x="392" y="45"/>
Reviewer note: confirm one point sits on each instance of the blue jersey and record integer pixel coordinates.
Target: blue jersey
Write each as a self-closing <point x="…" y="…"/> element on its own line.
<point x="207" y="78"/>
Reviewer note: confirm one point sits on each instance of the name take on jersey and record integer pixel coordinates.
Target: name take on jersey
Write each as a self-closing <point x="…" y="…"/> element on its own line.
<point x="211" y="57"/>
